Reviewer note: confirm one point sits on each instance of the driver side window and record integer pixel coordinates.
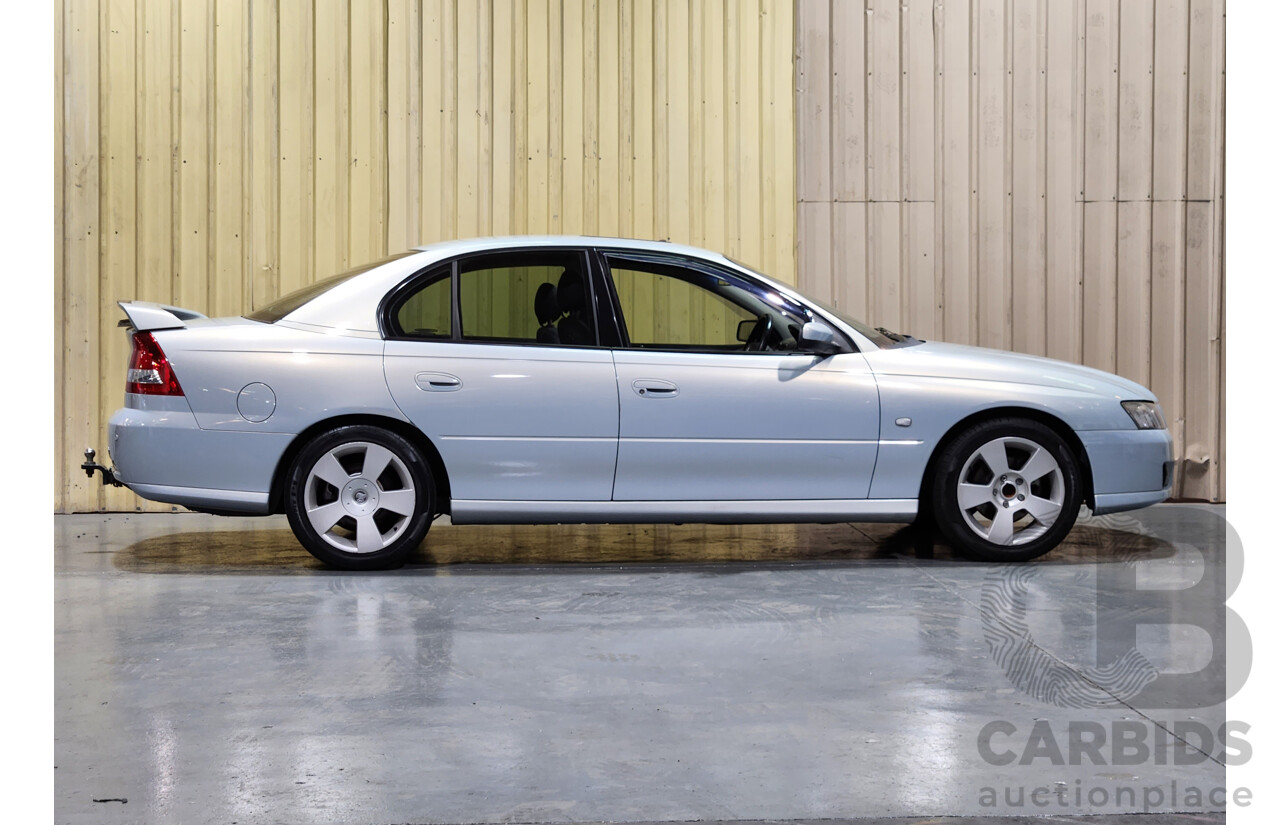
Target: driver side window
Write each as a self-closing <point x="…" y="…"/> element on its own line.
<point x="670" y="307"/>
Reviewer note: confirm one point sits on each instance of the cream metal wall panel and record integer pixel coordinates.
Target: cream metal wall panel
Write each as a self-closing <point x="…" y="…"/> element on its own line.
<point x="1036" y="175"/>
<point x="219" y="154"/>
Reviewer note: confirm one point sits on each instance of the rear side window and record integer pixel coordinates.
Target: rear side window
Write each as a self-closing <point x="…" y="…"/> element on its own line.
<point x="273" y="312"/>
<point x="500" y="303"/>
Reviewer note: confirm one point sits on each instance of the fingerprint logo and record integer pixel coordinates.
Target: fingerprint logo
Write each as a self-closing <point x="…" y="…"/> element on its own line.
<point x="1036" y="671"/>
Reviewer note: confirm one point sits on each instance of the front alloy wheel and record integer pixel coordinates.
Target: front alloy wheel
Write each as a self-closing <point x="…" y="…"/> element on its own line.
<point x="360" y="498"/>
<point x="1006" y="490"/>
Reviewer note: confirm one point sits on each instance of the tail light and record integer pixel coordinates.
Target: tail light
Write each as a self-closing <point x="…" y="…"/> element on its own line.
<point x="149" y="369"/>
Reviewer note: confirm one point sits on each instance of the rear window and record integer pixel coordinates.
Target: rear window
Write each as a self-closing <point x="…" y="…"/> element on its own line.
<point x="276" y="310"/>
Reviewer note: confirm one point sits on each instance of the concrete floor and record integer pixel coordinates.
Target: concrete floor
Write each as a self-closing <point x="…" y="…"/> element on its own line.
<point x="208" y="670"/>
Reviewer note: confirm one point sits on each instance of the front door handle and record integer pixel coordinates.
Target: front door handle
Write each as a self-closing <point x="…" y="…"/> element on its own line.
<point x="437" y="381"/>
<point x="654" y="388"/>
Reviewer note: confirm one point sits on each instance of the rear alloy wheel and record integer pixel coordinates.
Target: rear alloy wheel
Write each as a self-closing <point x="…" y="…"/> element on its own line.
<point x="360" y="498"/>
<point x="1006" y="490"/>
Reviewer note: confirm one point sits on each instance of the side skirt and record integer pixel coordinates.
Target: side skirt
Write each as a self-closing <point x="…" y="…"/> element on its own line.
<point x="477" y="511"/>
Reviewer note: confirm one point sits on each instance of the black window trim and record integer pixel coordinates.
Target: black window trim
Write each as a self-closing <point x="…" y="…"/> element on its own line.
<point x="607" y="299"/>
<point x="389" y="328"/>
<point x="709" y="268"/>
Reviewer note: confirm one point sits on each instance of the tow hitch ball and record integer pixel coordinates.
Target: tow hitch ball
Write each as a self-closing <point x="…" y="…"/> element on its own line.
<point x="90" y="466"/>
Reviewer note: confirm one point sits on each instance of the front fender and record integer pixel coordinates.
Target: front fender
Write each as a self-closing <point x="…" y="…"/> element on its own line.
<point x="934" y="405"/>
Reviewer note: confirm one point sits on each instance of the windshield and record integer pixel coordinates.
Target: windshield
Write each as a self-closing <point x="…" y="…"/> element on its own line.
<point x="879" y="336"/>
<point x="281" y="307"/>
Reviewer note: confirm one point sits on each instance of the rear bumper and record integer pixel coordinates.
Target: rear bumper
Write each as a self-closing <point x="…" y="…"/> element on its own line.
<point x="163" y="455"/>
<point x="203" y="498"/>
<point x="1131" y="468"/>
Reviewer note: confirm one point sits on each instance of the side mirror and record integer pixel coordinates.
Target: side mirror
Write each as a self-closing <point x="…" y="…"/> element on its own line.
<point x="818" y="338"/>
<point x="744" y="329"/>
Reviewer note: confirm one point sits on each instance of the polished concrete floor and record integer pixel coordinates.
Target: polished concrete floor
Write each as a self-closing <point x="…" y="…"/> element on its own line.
<point x="208" y="670"/>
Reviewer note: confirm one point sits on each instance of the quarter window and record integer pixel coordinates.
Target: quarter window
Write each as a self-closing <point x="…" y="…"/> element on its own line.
<point x="428" y="313"/>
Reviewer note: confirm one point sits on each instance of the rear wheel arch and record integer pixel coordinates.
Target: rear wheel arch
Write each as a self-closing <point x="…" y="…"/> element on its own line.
<point x="280" y="479"/>
<point x="1054" y="423"/>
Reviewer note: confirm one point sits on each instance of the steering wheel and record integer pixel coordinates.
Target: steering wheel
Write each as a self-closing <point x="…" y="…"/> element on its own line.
<point x="759" y="334"/>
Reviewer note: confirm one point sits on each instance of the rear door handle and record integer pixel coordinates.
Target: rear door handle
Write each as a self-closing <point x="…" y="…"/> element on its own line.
<point x="437" y="382"/>
<point x="654" y="388"/>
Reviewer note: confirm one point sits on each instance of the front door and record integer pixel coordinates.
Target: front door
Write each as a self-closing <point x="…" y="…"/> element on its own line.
<point x="716" y="402"/>
<point x="495" y="357"/>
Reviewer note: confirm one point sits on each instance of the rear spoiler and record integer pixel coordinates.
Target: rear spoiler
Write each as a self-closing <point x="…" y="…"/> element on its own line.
<point x="147" y="315"/>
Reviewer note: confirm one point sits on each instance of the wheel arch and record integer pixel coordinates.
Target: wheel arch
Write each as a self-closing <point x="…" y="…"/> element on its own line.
<point x="280" y="478"/>
<point x="1030" y="413"/>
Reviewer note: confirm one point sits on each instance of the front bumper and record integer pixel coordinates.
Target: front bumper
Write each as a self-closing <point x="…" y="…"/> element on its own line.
<point x="1131" y="468"/>
<point x="164" y="455"/>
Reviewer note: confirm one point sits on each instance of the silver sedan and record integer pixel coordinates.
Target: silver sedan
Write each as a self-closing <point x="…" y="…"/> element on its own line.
<point x="571" y="379"/>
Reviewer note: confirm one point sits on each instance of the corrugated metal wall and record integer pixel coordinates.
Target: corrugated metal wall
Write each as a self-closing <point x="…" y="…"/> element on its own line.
<point x="1042" y="175"/>
<point x="1037" y="175"/>
<point x="217" y="154"/>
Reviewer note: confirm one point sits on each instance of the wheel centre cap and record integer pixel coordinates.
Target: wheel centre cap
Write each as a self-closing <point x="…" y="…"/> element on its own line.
<point x="360" y="497"/>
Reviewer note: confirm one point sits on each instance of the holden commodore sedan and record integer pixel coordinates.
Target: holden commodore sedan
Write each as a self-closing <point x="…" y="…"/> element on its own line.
<point x="588" y="380"/>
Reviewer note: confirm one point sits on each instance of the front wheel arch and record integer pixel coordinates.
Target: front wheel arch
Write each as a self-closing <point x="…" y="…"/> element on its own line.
<point x="280" y="479"/>
<point x="1054" y="423"/>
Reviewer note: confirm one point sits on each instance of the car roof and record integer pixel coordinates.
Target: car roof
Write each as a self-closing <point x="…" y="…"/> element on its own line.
<point x="352" y="306"/>
<point x="462" y="246"/>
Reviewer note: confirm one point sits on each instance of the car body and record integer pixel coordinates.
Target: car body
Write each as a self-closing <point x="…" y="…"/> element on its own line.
<point x="624" y="392"/>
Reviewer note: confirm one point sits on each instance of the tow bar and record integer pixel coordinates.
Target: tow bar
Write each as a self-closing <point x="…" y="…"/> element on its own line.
<point x="90" y="467"/>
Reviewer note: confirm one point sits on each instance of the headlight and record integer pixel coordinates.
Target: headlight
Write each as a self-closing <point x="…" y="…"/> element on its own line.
<point x="1146" y="414"/>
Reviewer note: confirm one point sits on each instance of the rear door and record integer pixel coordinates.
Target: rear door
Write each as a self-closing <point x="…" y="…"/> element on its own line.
<point x="711" y="412"/>
<point x="497" y="359"/>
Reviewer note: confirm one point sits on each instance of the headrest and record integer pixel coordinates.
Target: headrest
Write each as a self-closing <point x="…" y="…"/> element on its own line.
<point x="545" y="304"/>
<point x="572" y="291"/>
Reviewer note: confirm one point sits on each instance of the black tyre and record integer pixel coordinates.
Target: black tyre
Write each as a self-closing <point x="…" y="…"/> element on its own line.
<point x="360" y="498"/>
<point x="1008" y="489"/>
